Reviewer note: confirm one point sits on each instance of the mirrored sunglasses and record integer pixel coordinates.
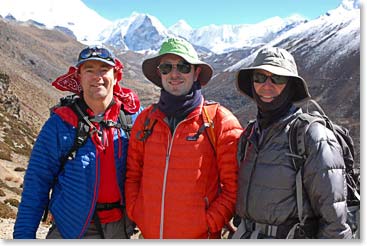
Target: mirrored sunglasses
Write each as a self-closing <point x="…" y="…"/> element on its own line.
<point x="275" y="79"/>
<point x="166" y="68"/>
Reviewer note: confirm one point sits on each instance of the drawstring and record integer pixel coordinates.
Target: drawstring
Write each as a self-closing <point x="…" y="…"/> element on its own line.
<point x="120" y="143"/>
<point x="104" y="138"/>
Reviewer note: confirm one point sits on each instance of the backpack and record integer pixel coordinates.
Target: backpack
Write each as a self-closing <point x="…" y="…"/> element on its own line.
<point x="82" y="133"/>
<point x="298" y="154"/>
<point x="297" y="132"/>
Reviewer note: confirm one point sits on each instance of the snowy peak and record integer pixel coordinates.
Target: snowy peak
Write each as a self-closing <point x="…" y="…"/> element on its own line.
<point x="181" y="28"/>
<point x="225" y="38"/>
<point x="346" y="7"/>
<point x="71" y="14"/>
<point x="350" y="4"/>
<point x="181" y="24"/>
<point x="137" y="32"/>
<point x="136" y="20"/>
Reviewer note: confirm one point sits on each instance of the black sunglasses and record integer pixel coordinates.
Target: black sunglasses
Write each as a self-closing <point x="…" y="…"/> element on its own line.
<point x="166" y="68"/>
<point x="276" y="79"/>
<point x="95" y="52"/>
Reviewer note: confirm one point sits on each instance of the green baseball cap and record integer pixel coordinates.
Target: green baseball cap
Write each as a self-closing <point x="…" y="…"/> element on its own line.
<point x="182" y="48"/>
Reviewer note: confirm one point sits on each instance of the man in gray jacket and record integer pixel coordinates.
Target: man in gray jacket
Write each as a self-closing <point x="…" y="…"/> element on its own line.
<point x="266" y="198"/>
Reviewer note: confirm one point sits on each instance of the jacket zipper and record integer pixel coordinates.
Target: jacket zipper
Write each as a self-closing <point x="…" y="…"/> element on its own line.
<point x="206" y="200"/>
<point x="94" y="196"/>
<point x="170" y="143"/>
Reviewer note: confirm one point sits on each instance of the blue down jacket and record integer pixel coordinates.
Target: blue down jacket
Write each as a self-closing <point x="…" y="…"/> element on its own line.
<point x="75" y="193"/>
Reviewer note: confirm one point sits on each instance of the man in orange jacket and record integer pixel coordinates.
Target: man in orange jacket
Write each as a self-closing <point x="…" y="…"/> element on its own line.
<point x="180" y="182"/>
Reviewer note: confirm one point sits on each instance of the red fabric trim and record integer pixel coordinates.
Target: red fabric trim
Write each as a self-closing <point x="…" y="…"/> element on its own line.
<point x="68" y="115"/>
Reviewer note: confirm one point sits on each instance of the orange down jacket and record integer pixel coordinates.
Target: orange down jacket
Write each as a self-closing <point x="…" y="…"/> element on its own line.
<point x="176" y="188"/>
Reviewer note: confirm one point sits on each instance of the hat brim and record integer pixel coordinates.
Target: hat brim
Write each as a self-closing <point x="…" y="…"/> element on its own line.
<point x="244" y="82"/>
<point x="150" y="69"/>
<point x="111" y="63"/>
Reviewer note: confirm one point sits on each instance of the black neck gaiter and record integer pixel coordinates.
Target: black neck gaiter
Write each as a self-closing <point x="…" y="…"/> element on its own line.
<point x="270" y="112"/>
<point x="180" y="106"/>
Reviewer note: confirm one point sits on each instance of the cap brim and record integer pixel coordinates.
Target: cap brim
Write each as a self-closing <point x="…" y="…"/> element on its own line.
<point x="244" y="81"/>
<point x="111" y="63"/>
<point x="150" y="69"/>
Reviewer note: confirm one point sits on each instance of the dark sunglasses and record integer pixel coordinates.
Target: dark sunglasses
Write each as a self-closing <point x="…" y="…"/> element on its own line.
<point x="276" y="79"/>
<point x="95" y="52"/>
<point x="166" y="68"/>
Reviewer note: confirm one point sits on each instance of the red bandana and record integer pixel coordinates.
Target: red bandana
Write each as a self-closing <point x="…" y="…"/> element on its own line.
<point x="70" y="82"/>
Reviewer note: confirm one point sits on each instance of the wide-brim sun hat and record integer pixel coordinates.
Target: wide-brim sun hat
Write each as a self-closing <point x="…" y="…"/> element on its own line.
<point x="276" y="61"/>
<point x="182" y="48"/>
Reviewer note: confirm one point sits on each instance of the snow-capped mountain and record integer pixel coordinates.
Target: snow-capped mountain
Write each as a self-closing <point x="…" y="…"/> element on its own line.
<point x="339" y="26"/>
<point x="137" y="32"/>
<point x="141" y="32"/>
<point x="71" y="14"/>
<point x="149" y="33"/>
<point x="181" y="28"/>
<point x="225" y="38"/>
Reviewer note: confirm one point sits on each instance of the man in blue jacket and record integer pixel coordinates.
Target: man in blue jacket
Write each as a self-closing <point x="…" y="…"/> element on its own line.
<point x="87" y="199"/>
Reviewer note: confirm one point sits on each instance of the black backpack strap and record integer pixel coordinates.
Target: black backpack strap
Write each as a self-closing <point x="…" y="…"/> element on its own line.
<point x="82" y="133"/>
<point x="296" y="137"/>
<point x="297" y="148"/>
<point x="126" y="122"/>
<point x="142" y="135"/>
<point x="103" y="207"/>
<point x="243" y="142"/>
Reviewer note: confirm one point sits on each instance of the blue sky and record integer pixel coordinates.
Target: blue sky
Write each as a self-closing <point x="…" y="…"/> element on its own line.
<point x="198" y="13"/>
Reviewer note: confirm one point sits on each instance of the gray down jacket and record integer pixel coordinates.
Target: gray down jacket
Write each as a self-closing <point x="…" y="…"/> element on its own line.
<point x="266" y="181"/>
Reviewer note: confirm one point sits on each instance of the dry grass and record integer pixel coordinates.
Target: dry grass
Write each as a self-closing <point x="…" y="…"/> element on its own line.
<point x="5" y="151"/>
<point x="13" y="189"/>
<point x="12" y="201"/>
<point x="18" y="138"/>
<point x="6" y="212"/>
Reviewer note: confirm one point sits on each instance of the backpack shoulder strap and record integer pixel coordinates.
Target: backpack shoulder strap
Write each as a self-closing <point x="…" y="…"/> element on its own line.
<point x="296" y="136"/>
<point x="143" y="134"/>
<point x="81" y="136"/>
<point x="243" y="141"/>
<point x="208" y="113"/>
<point x="297" y="148"/>
<point x="126" y="122"/>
